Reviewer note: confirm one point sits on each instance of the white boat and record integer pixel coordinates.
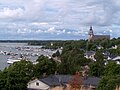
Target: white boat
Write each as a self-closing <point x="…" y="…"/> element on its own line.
<point x="11" y="61"/>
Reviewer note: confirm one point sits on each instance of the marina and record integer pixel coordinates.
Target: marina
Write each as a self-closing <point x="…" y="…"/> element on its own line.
<point x="10" y="53"/>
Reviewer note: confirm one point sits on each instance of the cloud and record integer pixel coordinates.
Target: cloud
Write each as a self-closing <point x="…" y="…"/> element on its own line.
<point x="92" y="12"/>
<point x="7" y="13"/>
<point x="39" y="24"/>
<point x="70" y="18"/>
<point x="53" y="30"/>
<point x="39" y="31"/>
<point x="24" y="31"/>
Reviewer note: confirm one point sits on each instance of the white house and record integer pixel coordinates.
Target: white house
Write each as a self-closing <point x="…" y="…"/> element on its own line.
<point x="113" y="58"/>
<point x="37" y="85"/>
<point x="52" y="82"/>
<point x="90" y="55"/>
<point x="116" y="58"/>
<point x="114" y="47"/>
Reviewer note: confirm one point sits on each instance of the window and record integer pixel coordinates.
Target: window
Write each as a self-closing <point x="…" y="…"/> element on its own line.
<point x="37" y="84"/>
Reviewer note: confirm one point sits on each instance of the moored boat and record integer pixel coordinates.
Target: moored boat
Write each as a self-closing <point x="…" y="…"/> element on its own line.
<point x="11" y="61"/>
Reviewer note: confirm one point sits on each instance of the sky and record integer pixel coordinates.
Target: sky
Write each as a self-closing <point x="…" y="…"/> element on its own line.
<point x="58" y="19"/>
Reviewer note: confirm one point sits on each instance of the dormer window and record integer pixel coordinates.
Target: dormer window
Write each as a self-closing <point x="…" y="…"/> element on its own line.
<point x="37" y="84"/>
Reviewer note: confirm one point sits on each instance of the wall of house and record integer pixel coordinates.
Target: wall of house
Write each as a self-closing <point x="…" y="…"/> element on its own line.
<point x="90" y="57"/>
<point x="82" y="88"/>
<point x="117" y="88"/>
<point x="37" y="85"/>
<point x="57" y="88"/>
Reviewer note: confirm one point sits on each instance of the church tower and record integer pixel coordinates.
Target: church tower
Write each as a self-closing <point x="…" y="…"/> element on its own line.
<point x="90" y="34"/>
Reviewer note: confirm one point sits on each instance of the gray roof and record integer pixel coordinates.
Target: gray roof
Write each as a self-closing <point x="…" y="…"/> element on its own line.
<point x="91" y="81"/>
<point x="89" y="53"/>
<point x="106" y="54"/>
<point x="96" y="37"/>
<point x="112" y="56"/>
<point x="57" y="80"/>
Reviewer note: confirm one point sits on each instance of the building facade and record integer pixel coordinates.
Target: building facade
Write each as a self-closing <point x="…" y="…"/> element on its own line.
<point x="64" y="82"/>
<point x="92" y="37"/>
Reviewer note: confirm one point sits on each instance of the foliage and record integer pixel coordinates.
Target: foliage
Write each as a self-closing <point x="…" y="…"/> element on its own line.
<point x="109" y="83"/>
<point x="111" y="78"/>
<point x="115" y="51"/>
<point x="105" y="43"/>
<point x="44" y="66"/>
<point x="16" y="76"/>
<point x="71" y="60"/>
<point x="96" y="69"/>
<point x="100" y="58"/>
<point x="112" y="69"/>
<point x="91" y="46"/>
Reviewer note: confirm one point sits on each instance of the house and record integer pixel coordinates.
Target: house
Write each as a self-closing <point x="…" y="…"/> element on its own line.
<point x="114" y="47"/>
<point x="117" y="58"/>
<point x="113" y="58"/>
<point x="52" y="82"/>
<point x="90" y="55"/>
<point x="90" y="82"/>
<point x="61" y="82"/>
<point x="99" y="47"/>
<point x="93" y="37"/>
<point x="79" y="82"/>
<point x="117" y="88"/>
<point x="37" y="85"/>
<point x="56" y="81"/>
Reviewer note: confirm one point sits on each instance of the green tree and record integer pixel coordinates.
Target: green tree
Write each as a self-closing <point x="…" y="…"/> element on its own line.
<point x="3" y="79"/>
<point x="71" y="60"/>
<point x="100" y="57"/>
<point x="105" y="43"/>
<point x="16" y="76"/>
<point x="112" y="69"/>
<point x="111" y="78"/>
<point x="109" y="83"/>
<point x="44" y="66"/>
<point x="96" y="69"/>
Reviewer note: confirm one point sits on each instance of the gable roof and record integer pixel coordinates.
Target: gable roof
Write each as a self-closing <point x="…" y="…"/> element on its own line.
<point x="41" y="86"/>
<point x="96" y="37"/>
<point x="91" y="81"/>
<point x="56" y="80"/>
<point x="110" y="57"/>
<point x="117" y="58"/>
<point x="89" y="53"/>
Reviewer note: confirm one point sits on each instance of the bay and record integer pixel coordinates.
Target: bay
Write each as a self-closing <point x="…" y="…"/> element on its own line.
<point x="31" y="52"/>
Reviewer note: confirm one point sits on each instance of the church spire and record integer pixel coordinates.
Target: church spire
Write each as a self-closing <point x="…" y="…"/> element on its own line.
<point x="90" y="34"/>
<point x="91" y="28"/>
<point x="90" y="31"/>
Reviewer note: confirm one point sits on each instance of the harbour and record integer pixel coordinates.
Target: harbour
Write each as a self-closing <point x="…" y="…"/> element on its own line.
<point x="14" y="50"/>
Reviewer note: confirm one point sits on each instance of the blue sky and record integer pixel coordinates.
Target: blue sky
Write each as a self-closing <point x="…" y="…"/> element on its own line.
<point x="58" y="19"/>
